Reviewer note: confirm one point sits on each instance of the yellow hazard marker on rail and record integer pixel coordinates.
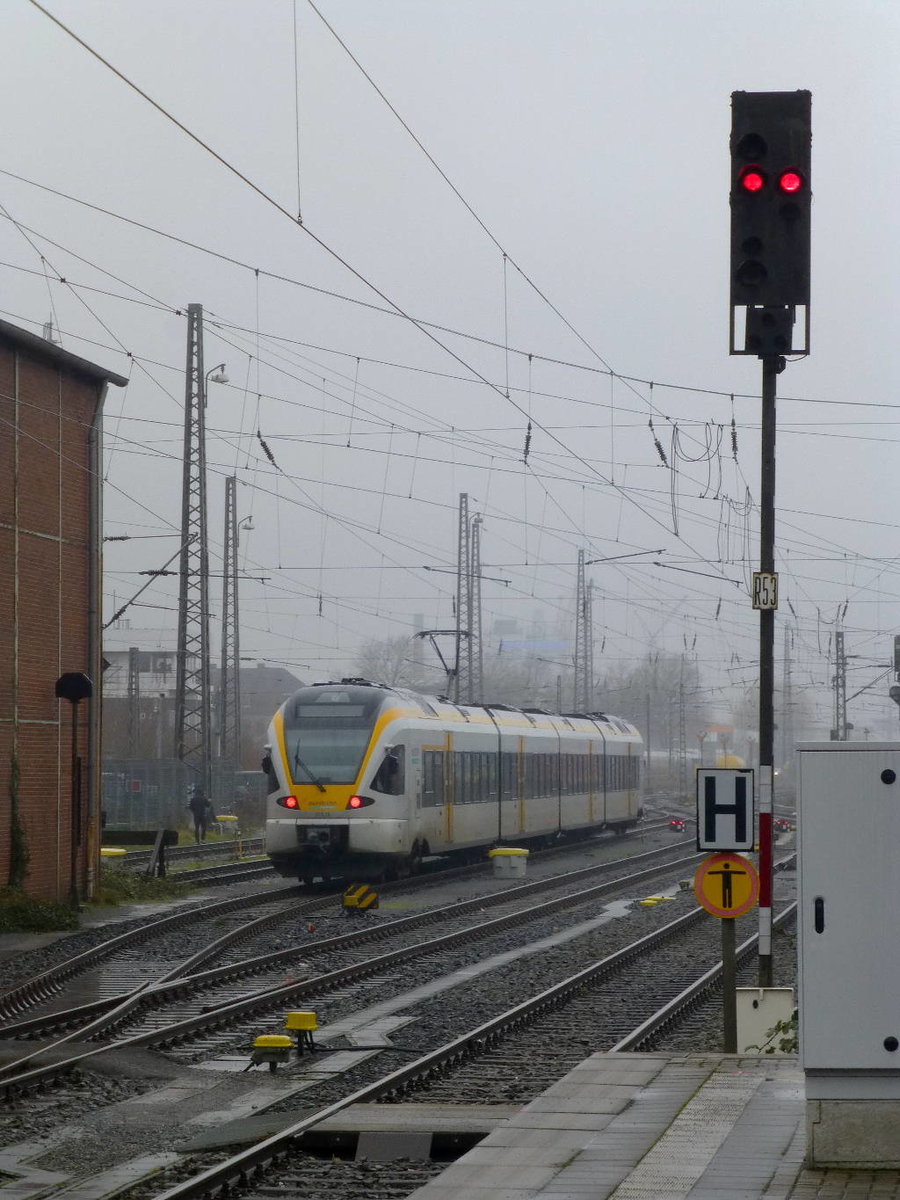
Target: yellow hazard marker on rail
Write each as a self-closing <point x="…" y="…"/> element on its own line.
<point x="726" y="885"/>
<point x="272" y="1049"/>
<point x="303" y="1023"/>
<point x="359" y="897"/>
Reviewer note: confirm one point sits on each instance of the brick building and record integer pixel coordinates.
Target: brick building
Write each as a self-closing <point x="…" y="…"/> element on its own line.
<point x="51" y="406"/>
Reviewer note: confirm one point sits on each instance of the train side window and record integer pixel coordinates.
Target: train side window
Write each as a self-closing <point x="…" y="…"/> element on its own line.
<point x="427" y="778"/>
<point x="492" y="782"/>
<point x="390" y="776"/>
<point x="508" y="773"/>
<point x="433" y="778"/>
<point x="271" y="777"/>
<point x="464" y="794"/>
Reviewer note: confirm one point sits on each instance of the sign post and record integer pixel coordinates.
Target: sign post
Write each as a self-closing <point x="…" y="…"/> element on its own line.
<point x="727" y="886"/>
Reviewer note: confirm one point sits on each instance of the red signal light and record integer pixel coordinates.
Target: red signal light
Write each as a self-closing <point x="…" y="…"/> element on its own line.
<point x="790" y="182"/>
<point x="290" y="802"/>
<point x="360" y="801"/>
<point x="752" y="179"/>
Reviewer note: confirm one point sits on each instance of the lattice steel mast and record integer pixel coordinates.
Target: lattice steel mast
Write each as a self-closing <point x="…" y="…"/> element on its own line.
<point x="192" y="699"/>
<point x="462" y="682"/>
<point x="589" y="648"/>
<point x="476" y="657"/>
<point x="840" y="732"/>
<point x="134" y="701"/>
<point x="580" y="690"/>
<point x="230" y="671"/>
<point x="682" y="736"/>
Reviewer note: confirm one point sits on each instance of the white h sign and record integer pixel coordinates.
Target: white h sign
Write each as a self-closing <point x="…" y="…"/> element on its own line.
<point x="725" y="809"/>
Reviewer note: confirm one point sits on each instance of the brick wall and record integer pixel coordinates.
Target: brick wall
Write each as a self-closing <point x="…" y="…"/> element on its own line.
<point x="45" y="551"/>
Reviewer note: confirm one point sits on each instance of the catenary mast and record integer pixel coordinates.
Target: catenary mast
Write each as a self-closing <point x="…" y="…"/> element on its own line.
<point x="192" y="696"/>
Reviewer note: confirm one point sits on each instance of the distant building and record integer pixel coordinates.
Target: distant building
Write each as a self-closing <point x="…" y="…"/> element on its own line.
<point x="263" y="690"/>
<point x="139" y="723"/>
<point x="51" y="403"/>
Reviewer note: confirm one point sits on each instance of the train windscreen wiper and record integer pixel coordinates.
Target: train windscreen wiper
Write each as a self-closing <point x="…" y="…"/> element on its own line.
<point x="298" y="762"/>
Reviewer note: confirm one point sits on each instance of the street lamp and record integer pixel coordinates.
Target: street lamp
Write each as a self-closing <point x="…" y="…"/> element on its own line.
<point x="214" y="375"/>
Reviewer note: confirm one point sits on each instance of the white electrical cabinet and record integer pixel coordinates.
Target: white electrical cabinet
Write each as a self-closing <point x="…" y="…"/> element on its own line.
<point x="849" y="863"/>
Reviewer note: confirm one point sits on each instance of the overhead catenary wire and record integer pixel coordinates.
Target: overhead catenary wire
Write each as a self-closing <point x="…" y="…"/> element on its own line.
<point x="552" y="360"/>
<point x="417" y="433"/>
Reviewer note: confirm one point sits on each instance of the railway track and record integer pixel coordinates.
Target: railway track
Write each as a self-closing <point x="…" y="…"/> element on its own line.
<point x="219" y="998"/>
<point x="510" y="1058"/>
<point x="45" y="987"/>
<point x="243" y="847"/>
<point x="438" y="991"/>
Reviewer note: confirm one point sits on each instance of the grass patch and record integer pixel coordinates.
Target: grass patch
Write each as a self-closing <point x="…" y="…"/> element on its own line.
<point x="26" y="914"/>
<point x="127" y="887"/>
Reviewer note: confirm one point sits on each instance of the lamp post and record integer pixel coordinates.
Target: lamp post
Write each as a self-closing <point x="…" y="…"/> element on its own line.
<point x="74" y="686"/>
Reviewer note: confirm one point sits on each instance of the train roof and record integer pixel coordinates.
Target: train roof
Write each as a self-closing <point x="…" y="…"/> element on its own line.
<point x="358" y="690"/>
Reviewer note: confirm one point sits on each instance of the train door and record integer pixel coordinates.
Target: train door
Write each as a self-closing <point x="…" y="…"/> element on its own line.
<point x="449" y="788"/>
<point x="592" y="795"/>
<point x="599" y="780"/>
<point x="520" y="785"/>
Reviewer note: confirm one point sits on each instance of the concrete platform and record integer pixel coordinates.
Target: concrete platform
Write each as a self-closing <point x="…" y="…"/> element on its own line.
<point x="464" y="1122"/>
<point x="658" y="1127"/>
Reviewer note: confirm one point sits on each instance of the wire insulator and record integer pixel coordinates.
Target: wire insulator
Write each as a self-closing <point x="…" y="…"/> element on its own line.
<point x="658" y="444"/>
<point x="268" y="453"/>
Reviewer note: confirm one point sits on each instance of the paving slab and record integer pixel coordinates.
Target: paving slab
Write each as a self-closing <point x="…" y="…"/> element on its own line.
<point x="656" y="1127"/>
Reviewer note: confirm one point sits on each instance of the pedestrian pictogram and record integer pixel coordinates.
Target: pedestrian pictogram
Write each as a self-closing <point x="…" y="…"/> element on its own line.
<point x="726" y="885"/>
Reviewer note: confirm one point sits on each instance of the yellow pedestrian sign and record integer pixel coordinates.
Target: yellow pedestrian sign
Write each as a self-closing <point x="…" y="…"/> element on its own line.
<point x="726" y="885"/>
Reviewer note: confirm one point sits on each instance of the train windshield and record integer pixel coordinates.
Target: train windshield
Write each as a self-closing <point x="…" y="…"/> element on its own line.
<point x="326" y="731"/>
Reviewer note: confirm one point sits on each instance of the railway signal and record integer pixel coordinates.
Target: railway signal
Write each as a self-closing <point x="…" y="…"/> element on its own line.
<point x="770" y="198"/>
<point x="770" y="218"/>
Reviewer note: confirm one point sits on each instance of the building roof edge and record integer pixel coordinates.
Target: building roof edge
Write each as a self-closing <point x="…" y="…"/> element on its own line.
<point x="43" y="348"/>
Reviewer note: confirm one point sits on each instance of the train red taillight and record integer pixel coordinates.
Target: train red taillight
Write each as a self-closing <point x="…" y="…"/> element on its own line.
<point x="288" y="802"/>
<point x="360" y="801"/>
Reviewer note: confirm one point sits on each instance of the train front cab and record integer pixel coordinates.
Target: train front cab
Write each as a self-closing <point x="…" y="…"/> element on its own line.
<point x="337" y="784"/>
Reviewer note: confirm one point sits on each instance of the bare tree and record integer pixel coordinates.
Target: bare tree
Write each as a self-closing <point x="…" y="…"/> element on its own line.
<point x="397" y="662"/>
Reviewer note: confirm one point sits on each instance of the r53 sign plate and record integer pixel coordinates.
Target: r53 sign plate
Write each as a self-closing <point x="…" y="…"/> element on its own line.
<point x="765" y="590"/>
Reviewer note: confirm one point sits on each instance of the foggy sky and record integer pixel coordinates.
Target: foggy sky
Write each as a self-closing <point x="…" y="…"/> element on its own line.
<point x="590" y="142"/>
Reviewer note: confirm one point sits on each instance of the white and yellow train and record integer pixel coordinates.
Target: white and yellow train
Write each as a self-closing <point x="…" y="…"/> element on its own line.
<point x="366" y="780"/>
